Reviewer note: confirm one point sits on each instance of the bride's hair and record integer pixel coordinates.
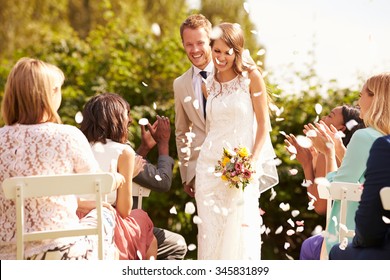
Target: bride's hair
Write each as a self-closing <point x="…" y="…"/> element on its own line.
<point x="232" y="35"/>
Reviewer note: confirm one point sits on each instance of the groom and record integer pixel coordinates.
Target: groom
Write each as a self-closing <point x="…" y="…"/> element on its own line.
<point x="190" y="120"/>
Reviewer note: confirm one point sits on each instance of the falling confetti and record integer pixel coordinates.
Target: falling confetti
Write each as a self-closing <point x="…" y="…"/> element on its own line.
<point x="196" y="104"/>
<point x="286" y="245"/>
<point x="189" y="208"/>
<point x="293" y="171"/>
<point x="139" y="255"/>
<point x="322" y="181"/>
<point x="290" y="232"/>
<point x="216" y="33"/>
<point x="154" y="105"/>
<point x="292" y="149"/>
<point x="311" y="133"/>
<point x="78" y="117"/>
<point x="156" y="29"/>
<point x="261" y="52"/>
<point x="291" y="222"/>
<point x="386" y="220"/>
<point x="173" y="210"/>
<point x="158" y="177"/>
<point x="295" y="213"/>
<point x="339" y="134"/>
<point x="284" y="206"/>
<point x="197" y="220"/>
<point x="191" y="247"/>
<point x="273" y="194"/>
<point x="144" y="84"/>
<point x="187" y="99"/>
<point x="306" y="183"/>
<point x="343" y="244"/>
<point x="143" y="121"/>
<point x="279" y="230"/>
<point x="304" y="142"/>
<point x="351" y="124"/>
<point x="318" y="108"/>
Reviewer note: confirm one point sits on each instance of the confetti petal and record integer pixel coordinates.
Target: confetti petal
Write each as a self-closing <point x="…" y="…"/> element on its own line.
<point x="293" y="171"/>
<point x="156" y="29"/>
<point x="351" y="124"/>
<point x="187" y="99"/>
<point x="191" y="247"/>
<point x="78" y="117"/>
<point x="143" y="121"/>
<point x="158" y="177"/>
<point x="290" y="232"/>
<point x="197" y="220"/>
<point x="173" y="210"/>
<point x="284" y="206"/>
<point x="189" y="208"/>
<point x="295" y="213"/>
<point x="318" y="108"/>
<point x="386" y="220"/>
<point x="279" y="230"/>
<point x="304" y="142"/>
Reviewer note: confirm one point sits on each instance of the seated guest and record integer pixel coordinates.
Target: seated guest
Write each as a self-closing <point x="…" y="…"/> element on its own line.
<point x="34" y="142"/>
<point x="372" y="234"/>
<point x="105" y="124"/>
<point x="171" y="246"/>
<point x="373" y="103"/>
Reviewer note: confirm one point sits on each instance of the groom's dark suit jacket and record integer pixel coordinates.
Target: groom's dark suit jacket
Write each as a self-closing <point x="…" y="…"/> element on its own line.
<point x="372" y="238"/>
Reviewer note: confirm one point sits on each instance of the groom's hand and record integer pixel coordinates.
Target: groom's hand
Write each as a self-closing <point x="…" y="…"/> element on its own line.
<point x="189" y="189"/>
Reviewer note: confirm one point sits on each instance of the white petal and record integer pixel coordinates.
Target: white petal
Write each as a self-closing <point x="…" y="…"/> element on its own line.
<point x="189" y="208"/>
<point x="279" y="230"/>
<point x="143" y="121"/>
<point x="318" y="108"/>
<point x="173" y="210"/>
<point x="78" y="117"/>
<point x="351" y="124"/>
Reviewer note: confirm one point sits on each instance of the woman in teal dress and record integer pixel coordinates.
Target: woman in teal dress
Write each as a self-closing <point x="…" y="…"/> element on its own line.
<point x="374" y="103"/>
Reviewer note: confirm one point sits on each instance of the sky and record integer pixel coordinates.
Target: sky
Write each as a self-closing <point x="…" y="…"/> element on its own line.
<point x="349" y="38"/>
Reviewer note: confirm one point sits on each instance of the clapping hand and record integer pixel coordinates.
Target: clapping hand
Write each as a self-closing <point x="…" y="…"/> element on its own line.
<point x="320" y="134"/>
<point x="304" y="155"/>
<point x="139" y="163"/>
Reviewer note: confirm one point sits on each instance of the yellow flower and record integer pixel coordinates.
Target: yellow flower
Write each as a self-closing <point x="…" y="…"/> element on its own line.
<point x="243" y="152"/>
<point x="224" y="178"/>
<point x="225" y="161"/>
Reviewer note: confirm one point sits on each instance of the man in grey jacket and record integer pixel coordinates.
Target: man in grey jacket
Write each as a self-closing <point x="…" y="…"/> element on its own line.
<point x="171" y="246"/>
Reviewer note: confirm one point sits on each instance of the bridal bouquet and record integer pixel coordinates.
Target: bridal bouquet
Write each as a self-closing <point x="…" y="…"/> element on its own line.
<point x="235" y="167"/>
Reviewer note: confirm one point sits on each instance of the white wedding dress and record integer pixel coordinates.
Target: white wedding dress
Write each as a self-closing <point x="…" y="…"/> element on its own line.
<point x="230" y="218"/>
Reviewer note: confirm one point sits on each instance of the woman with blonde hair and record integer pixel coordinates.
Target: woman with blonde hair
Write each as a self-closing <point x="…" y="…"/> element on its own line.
<point x="374" y="103"/>
<point x="34" y="142"/>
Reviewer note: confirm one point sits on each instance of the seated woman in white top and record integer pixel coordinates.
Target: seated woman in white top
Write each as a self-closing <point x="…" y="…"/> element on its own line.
<point x="105" y="124"/>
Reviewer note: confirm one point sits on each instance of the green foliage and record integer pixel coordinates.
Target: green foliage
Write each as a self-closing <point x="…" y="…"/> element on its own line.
<point x="117" y="51"/>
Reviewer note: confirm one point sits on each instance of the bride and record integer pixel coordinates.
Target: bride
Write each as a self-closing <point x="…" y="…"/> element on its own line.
<point x="237" y="115"/>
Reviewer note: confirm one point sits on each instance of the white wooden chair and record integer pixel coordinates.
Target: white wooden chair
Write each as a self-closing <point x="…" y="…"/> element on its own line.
<point x="385" y="197"/>
<point x="20" y="188"/>
<point x="140" y="192"/>
<point x="344" y="192"/>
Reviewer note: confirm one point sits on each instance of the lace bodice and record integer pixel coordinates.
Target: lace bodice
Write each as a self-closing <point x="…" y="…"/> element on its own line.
<point x="230" y="115"/>
<point x="43" y="149"/>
